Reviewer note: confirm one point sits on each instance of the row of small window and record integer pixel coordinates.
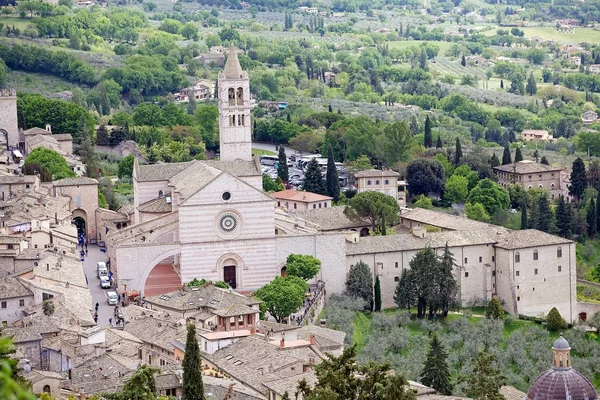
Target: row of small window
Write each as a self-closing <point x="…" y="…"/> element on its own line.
<point x="386" y="182"/>
<point x="5" y="305"/>
<point x="535" y="255"/>
<point x="535" y="271"/>
<point x="241" y="120"/>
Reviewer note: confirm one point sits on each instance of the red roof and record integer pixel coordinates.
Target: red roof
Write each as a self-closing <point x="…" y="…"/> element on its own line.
<point x="300" y="196"/>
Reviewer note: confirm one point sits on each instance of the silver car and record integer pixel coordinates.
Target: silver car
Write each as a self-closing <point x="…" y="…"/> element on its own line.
<point x="112" y="298"/>
<point x="105" y="282"/>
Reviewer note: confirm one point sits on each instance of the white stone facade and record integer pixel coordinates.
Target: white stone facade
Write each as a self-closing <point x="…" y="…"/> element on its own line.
<point x="8" y="117"/>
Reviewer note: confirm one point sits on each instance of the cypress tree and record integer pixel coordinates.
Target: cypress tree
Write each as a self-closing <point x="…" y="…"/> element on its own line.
<point x="438" y="145"/>
<point x="384" y="227"/>
<point x="506" y="156"/>
<point x="531" y="87"/>
<point x="414" y="125"/>
<point x="524" y="221"/>
<point x="591" y="219"/>
<point x="332" y="179"/>
<point x="330" y="108"/>
<point x="544" y="161"/>
<point x="463" y="61"/>
<point x="313" y="179"/>
<point x="192" y="386"/>
<point x="546" y="215"/>
<point x="518" y="155"/>
<point x="598" y="215"/>
<point x="282" y="167"/>
<point x="457" y="152"/>
<point x="377" y="294"/>
<point x="501" y="83"/>
<point x="563" y="218"/>
<point x="436" y="373"/>
<point x="428" y="140"/>
<point x="494" y="162"/>
<point x="534" y="214"/>
<point x="578" y="179"/>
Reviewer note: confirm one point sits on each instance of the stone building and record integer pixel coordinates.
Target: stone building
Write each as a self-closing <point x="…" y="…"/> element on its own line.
<point x="531" y="135"/>
<point x="530" y="174"/>
<point x="83" y="204"/>
<point x="296" y="200"/>
<point x="9" y="129"/>
<point x="383" y="181"/>
<point x="14" y="299"/>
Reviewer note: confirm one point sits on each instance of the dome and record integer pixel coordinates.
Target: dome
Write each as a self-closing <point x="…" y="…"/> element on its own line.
<point x="561" y="384"/>
<point x="561" y="344"/>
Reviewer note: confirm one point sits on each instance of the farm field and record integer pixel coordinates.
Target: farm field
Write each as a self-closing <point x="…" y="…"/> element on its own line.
<point x="402" y="44"/>
<point x="20" y="23"/>
<point x="37" y="83"/>
<point x="579" y="35"/>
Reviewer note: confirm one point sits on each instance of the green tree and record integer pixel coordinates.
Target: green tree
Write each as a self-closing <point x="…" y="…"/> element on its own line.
<point x="428" y="139"/>
<point x="531" y="87"/>
<point x="31" y="168"/>
<point x="424" y="202"/>
<point x="189" y="31"/>
<point x="546" y="223"/>
<point x="438" y="144"/>
<point x="369" y="206"/>
<point x="491" y="195"/>
<point x="332" y="180"/>
<point x="269" y="185"/>
<point x="423" y="59"/>
<point x="518" y="155"/>
<point x="414" y="125"/>
<point x="445" y="281"/>
<point x="125" y="169"/>
<point x="283" y="296"/>
<point x="485" y="380"/>
<point x="12" y="385"/>
<point x="360" y="283"/>
<point x="395" y="143"/>
<point x="302" y="266"/>
<point x="425" y="176"/>
<point x="436" y="373"/>
<point x="405" y="295"/>
<point x="506" y="156"/>
<point x="592" y="226"/>
<point x="494" y="310"/>
<point x="477" y="212"/>
<point x="52" y="161"/>
<point x="313" y="179"/>
<point x="3" y="72"/>
<point x="463" y="61"/>
<point x="457" y="189"/>
<point x="141" y="386"/>
<point x="564" y="218"/>
<point x="457" y="152"/>
<point x="377" y="294"/>
<point x="524" y="220"/>
<point x="282" y="167"/>
<point x="555" y="321"/>
<point x="192" y="386"/>
<point x="362" y="163"/>
<point x="578" y="179"/>
<point x="102" y="136"/>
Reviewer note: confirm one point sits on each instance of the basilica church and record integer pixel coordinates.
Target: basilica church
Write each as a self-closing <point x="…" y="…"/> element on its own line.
<point x="211" y="220"/>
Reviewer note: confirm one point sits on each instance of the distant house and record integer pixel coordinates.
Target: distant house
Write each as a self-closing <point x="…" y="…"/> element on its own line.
<point x="291" y="200"/>
<point x="476" y="60"/>
<point x="309" y="10"/>
<point x="279" y="105"/>
<point x="217" y="59"/>
<point x="383" y="30"/>
<point x="201" y="90"/>
<point x="595" y="68"/>
<point x="329" y="77"/>
<point x="218" y="49"/>
<point x="532" y="135"/>
<point x="383" y="181"/>
<point x="575" y="60"/>
<point x="589" y="117"/>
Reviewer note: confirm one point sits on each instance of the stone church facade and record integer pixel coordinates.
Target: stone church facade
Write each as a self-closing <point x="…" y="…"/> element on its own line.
<point x="211" y="220"/>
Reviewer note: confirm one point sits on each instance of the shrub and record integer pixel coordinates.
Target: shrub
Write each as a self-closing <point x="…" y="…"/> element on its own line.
<point x="494" y="310"/>
<point x="555" y="321"/>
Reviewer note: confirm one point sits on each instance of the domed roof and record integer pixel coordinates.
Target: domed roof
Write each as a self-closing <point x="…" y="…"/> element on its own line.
<point x="561" y="384"/>
<point x="561" y="344"/>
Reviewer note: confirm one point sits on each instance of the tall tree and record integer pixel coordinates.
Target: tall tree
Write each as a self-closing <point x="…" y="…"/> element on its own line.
<point x="313" y="179"/>
<point x="578" y="179"/>
<point x="457" y="152"/>
<point x="506" y="156"/>
<point x="486" y="379"/>
<point x="546" y="223"/>
<point x="445" y="281"/>
<point x="425" y="176"/>
<point x="593" y="175"/>
<point x="332" y="179"/>
<point x="377" y="294"/>
<point x="463" y="61"/>
<point x="282" y="167"/>
<point x="564" y="218"/>
<point x="518" y="155"/>
<point x="428" y="139"/>
<point x="544" y="161"/>
<point x="192" y="386"/>
<point x="524" y="220"/>
<point x="598" y="214"/>
<point x="102" y="136"/>
<point x="283" y="296"/>
<point x="360" y="283"/>
<point x="436" y="373"/>
<point x="494" y="309"/>
<point x="438" y="144"/>
<point x="531" y="87"/>
<point x="302" y="266"/>
<point x="592" y="226"/>
<point x="414" y="125"/>
<point x="141" y="386"/>
<point x="370" y="206"/>
<point x="423" y="59"/>
<point x="494" y="162"/>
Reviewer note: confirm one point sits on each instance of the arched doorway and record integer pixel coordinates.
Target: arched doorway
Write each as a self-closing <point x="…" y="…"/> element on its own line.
<point x="46" y="389"/>
<point x="80" y="220"/>
<point x="163" y="278"/>
<point x="582" y="316"/>
<point x="364" y="232"/>
<point x="79" y="223"/>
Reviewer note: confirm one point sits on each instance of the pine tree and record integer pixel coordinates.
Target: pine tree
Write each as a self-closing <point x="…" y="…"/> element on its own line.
<point x="423" y="59"/>
<point x="591" y="219"/>
<point x="428" y="140"/>
<point x="555" y="321"/>
<point x="534" y="214"/>
<point x="494" y="162"/>
<point x="494" y="309"/>
<point x="485" y="381"/>
<point x="598" y="215"/>
<point x="192" y="386"/>
<point x="518" y="155"/>
<point x="531" y="87"/>
<point x="536" y="155"/>
<point x="502" y="84"/>
<point x="102" y="136"/>
<point x="383" y="225"/>
<point x="564" y="218"/>
<point x="436" y="373"/>
<point x="191" y="106"/>
<point x="282" y="167"/>
<point x="313" y="179"/>
<point x="463" y="61"/>
<point x="438" y="144"/>
<point x="414" y="125"/>
<point x="524" y="221"/>
<point x="446" y="282"/>
<point x="377" y="294"/>
<point x="506" y="159"/>
<point x="578" y="179"/>
<point x="457" y="152"/>
<point x="546" y="223"/>
<point x="330" y="108"/>
<point x="332" y="179"/>
<point x="544" y="161"/>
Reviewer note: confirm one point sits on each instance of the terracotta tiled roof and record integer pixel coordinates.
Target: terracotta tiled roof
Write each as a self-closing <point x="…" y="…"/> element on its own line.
<point x="526" y="167"/>
<point x="80" y="181"/>
<point x="159" y="205"/>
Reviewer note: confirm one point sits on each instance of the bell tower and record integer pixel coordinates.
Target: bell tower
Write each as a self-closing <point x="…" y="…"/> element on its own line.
<point x="234" y="111"/>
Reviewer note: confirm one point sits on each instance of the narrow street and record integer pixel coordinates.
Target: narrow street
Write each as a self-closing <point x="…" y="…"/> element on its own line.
<point x="98" y="294"/>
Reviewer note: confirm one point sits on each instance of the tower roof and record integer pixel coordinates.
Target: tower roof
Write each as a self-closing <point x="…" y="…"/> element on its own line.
<point x="561" y="344"/>
<point x="233" y="70"/>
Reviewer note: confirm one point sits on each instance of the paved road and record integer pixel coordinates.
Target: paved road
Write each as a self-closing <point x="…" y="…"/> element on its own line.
<point x="271" y="147"/>
<point x="98" y="294"/>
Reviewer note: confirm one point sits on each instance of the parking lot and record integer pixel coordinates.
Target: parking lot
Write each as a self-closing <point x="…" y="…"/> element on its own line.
<point x="98" y="294"/>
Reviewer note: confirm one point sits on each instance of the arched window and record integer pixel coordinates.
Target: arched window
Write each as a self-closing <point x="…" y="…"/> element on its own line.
<point x="529" y="187"/>
<point x="535" y="255"/>
<point x="517" y="257"/>
<point x="541" y="186"/>
<point x="387" y="182"/>
<point x="368" y="182"/>
<point x="240" y="119"/>
<point x="233" y="119"/>
<point x="160" y="193"/>
<point x="377" y="182"/>
<point x="46" y="389"/>
<point x="552" y="185"/>
<point x="561" y="361"/>
<point x="231" y="92"/>
<point x="240" y="96"/>
<point x="243" y="117"/>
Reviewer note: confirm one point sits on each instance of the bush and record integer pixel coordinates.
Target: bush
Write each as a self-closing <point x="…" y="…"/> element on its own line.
<point x="555" y="321"/>
<point x="494" y="310"/>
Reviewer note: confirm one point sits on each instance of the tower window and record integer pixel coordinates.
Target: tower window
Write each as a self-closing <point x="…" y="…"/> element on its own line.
<point x="243" y="118"/>
<point x="240" y="96"/>
<point x="230" y="120"/>
<point x="231" y="92"/>
<point x="233" y="117"/>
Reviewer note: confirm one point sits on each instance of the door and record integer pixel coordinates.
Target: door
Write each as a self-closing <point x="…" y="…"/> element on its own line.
<point x="229" y="275"/>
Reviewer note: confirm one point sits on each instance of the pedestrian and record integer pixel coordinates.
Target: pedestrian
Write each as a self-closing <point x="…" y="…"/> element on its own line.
<point x="86" y="247"/>
<point x="95" y="320"/>
<point x="95" y="315"/>
<point x="86" y="252"/>
<point x="110" y="321"/>
<point x="97" y="306"/>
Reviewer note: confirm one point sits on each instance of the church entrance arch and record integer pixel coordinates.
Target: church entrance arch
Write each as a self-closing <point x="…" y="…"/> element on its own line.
<point x="230" y="268"/>
<point x="80" y="221"/>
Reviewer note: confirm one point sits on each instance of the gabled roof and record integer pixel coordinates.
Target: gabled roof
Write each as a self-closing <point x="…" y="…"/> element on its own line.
<point x="192" y="179"/>
<point x="376" y="173"/>
<point x="159" y="205"/>
<point x="160" y="172"/>
<point x="330" y="219"/>
<point x="529" y="238"/>
<point x="299" y="196"/>
<point x="443" y="220"/>
<point x="201" y="296"/>
<point x="80" y="181"/>
<point x="36" y="131"/>
<point x="527" y="167"/>
<point x="11" y="287"/>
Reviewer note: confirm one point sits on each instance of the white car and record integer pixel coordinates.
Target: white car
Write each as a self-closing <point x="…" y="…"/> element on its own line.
<point x="112" y="298"/>
<point x="105" y="282"/>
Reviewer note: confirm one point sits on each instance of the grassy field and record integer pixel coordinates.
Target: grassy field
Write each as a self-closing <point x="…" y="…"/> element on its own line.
<point x="20" y="23"/>
<point x="261" y="152"/>
<point x="579" y="34"/>
<point x="402" y="44"/>
<point x="37" y="83"/>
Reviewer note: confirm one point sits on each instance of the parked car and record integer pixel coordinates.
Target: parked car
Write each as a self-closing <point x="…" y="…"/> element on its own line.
<point x="112" y="298"/>
<point x="105" y="282"/>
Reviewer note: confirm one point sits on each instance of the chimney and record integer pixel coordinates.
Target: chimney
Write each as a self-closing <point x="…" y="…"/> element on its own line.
<point x="282" y="341"/>
<point x="312" y="339"/>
